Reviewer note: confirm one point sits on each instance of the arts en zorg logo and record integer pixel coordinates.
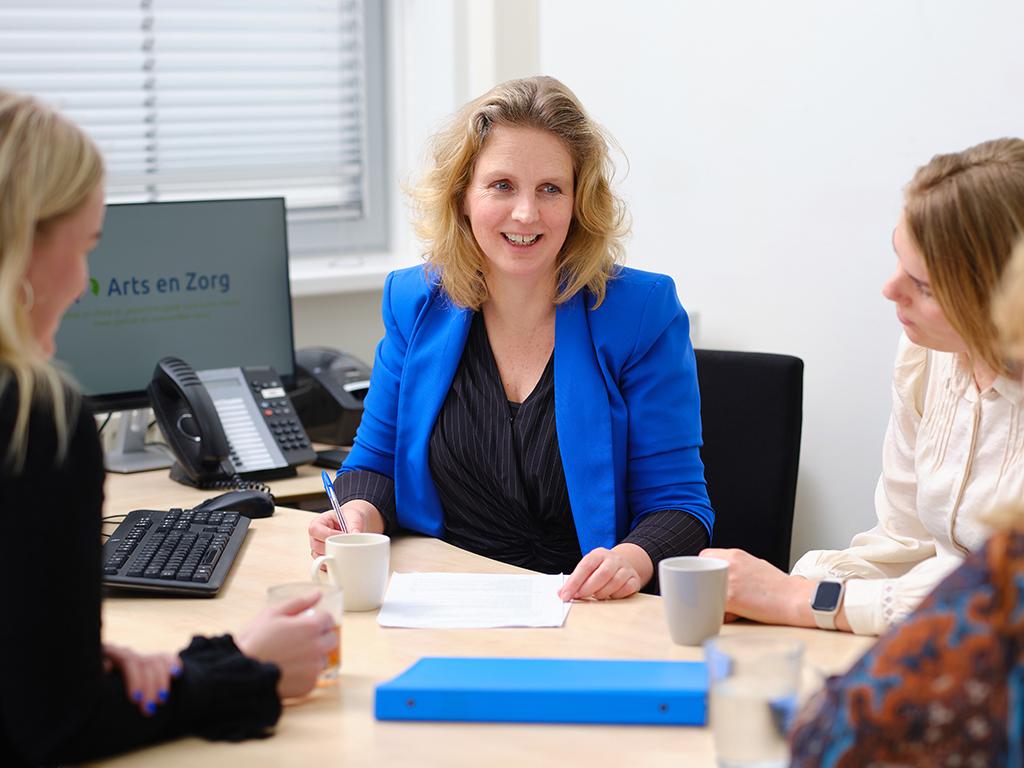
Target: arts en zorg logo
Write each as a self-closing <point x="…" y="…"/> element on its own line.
<point x="187" y="282"/>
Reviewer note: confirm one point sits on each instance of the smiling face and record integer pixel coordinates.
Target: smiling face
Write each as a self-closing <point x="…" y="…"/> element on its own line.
<point x="58" y="269"/>
<point x="916" y="306"/>
<point x="520" y="203"/>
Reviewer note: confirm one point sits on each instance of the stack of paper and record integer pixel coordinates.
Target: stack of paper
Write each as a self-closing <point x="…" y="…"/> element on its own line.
<point x="473" y="601"/>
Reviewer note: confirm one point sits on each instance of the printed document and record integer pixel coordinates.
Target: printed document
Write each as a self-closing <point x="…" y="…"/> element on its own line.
<point x="473" y="600"/>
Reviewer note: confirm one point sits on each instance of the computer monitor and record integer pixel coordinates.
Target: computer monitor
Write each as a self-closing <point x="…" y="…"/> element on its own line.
<point x="206" y="281"/>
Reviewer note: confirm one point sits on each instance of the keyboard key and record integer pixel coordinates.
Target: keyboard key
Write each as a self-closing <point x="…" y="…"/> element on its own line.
<point x="212" y="555"/>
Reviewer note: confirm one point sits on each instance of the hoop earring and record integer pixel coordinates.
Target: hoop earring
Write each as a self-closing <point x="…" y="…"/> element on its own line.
<point x="29" y="294"/>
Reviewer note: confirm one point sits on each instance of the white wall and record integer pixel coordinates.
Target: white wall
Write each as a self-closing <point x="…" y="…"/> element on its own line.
<point x="349" y="321"/>
<point x="768" y="144"/>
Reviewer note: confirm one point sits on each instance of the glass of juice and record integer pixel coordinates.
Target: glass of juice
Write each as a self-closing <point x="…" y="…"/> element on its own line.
<point x="331" y="602"/>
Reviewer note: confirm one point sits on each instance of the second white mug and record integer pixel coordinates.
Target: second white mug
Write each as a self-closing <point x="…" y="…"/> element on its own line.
<point x="359" y="564"/>
<point x="693" y="591"/>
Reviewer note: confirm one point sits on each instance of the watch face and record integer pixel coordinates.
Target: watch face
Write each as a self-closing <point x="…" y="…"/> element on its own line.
<point x="826" y="598"/>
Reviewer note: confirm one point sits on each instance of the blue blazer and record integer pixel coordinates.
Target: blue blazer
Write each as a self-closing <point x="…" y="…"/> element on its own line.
<point x="627" y="409"/>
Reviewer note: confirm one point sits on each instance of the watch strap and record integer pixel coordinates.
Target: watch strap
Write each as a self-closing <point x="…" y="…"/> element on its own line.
<point x="825" y="620"/>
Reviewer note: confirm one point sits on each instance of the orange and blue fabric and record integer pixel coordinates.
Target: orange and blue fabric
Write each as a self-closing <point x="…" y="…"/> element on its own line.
<point x="944" y="688"/>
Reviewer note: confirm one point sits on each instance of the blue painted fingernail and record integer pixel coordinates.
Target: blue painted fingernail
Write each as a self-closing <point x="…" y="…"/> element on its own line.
<point x="137" y="696"/>
<point x="162" y="695"/>
<point x="150" y="707"/>
<point x="176" y="670"/>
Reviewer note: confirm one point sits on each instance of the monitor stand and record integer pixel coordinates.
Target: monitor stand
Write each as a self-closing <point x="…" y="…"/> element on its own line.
<point x="129" y="452"/>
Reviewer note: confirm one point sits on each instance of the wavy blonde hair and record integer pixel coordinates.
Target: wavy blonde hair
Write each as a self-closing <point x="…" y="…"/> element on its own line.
<point x="1008" y="316"/>
<point x="592" y="248"/>
<point x="48" y="169"/>
<point x="1008" y="306"/>
<point x="965" y="211"/>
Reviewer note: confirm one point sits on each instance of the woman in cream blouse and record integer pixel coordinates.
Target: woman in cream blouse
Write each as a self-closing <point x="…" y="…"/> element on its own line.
<point x="955" y="443"/>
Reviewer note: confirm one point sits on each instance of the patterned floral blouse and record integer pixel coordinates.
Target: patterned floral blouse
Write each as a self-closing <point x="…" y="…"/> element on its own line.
<point x="944" y="688"/>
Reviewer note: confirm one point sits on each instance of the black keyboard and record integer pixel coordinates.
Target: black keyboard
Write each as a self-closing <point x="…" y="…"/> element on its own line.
<point x="180" y="551"/>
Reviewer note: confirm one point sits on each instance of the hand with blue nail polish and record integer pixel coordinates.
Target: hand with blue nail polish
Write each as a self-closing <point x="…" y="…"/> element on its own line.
<point x="147" y="676"/>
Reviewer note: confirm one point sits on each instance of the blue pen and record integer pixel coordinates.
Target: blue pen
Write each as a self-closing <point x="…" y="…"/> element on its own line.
<point x="329" y="487"/>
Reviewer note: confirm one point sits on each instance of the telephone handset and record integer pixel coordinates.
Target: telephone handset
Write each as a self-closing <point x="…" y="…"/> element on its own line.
<point x="227" y="423"/>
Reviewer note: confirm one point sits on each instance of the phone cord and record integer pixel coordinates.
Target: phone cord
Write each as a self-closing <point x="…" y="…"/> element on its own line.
<point x="235" y="482"/>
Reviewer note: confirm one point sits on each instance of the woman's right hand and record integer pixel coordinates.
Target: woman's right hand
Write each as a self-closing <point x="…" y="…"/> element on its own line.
<point x="295" y="638"/>
<point x="360" y="517"/>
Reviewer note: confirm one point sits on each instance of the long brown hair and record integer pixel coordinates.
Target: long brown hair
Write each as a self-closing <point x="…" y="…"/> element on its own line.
<point x="965" y="211"/>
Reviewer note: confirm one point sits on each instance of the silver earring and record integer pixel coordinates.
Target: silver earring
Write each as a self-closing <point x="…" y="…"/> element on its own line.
<point x="30" y="295"/>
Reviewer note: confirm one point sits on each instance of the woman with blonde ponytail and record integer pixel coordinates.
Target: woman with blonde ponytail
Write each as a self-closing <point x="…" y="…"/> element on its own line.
<point x="65" y="696"/>
<point x="39" y="184"/>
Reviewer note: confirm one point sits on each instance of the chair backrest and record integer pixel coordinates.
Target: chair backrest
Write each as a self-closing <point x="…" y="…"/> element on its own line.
<point x="751" y="406"/>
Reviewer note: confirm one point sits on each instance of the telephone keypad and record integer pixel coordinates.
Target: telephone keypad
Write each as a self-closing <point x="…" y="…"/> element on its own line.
<point x="277" y="411"/>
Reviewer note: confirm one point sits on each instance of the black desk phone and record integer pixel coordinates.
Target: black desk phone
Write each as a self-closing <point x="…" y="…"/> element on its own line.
<point x="226" y="424"/>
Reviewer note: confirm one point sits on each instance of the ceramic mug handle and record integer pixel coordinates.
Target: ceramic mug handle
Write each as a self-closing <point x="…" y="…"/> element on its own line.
<point x="316" y="574"/>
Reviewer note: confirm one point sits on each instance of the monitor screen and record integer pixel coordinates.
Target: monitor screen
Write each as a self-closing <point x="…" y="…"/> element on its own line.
<point x="204" y="281"/>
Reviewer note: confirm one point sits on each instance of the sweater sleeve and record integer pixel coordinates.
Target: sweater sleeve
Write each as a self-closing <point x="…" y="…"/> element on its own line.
<point x="668" y="533"/>
<point x="369" y="486"/>
<point x="57" y="704"/>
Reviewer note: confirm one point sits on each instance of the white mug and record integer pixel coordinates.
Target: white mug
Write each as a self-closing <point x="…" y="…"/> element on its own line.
<point x="358" y="563"/>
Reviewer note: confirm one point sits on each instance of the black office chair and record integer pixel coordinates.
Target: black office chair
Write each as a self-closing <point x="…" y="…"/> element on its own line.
<point x="751" y="406"/>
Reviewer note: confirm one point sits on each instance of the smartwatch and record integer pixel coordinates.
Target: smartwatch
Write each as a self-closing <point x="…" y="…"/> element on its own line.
<point x="827" y="599"/>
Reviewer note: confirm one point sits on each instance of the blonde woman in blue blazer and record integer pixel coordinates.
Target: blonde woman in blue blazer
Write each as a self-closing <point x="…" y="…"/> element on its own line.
<point x="531" y="400"/>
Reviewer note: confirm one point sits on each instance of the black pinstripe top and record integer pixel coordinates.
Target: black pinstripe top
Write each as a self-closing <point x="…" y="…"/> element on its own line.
<point x="499" y="475"/>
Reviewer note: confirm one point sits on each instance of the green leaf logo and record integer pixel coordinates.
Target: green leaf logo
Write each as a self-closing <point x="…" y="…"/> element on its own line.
<point x="94" y="286"/>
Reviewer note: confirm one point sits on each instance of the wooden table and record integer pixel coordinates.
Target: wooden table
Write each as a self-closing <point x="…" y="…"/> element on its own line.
<point x="335" y="726"/>
<point x="156" y="490"/>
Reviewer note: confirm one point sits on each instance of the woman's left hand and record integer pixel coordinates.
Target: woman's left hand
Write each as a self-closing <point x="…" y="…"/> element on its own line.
<point x="608" y="574"/>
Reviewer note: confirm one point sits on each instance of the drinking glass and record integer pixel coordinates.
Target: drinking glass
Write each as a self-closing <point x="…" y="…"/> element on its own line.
<point x="754" y="682"/>
<point x="331" y="603"/>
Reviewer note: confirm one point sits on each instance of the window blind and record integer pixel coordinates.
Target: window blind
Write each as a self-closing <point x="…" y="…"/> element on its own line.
<point x="200" y="99"/>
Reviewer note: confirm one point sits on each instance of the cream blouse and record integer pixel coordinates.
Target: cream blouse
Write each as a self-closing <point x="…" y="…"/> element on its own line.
<point x="951" y="454"/>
